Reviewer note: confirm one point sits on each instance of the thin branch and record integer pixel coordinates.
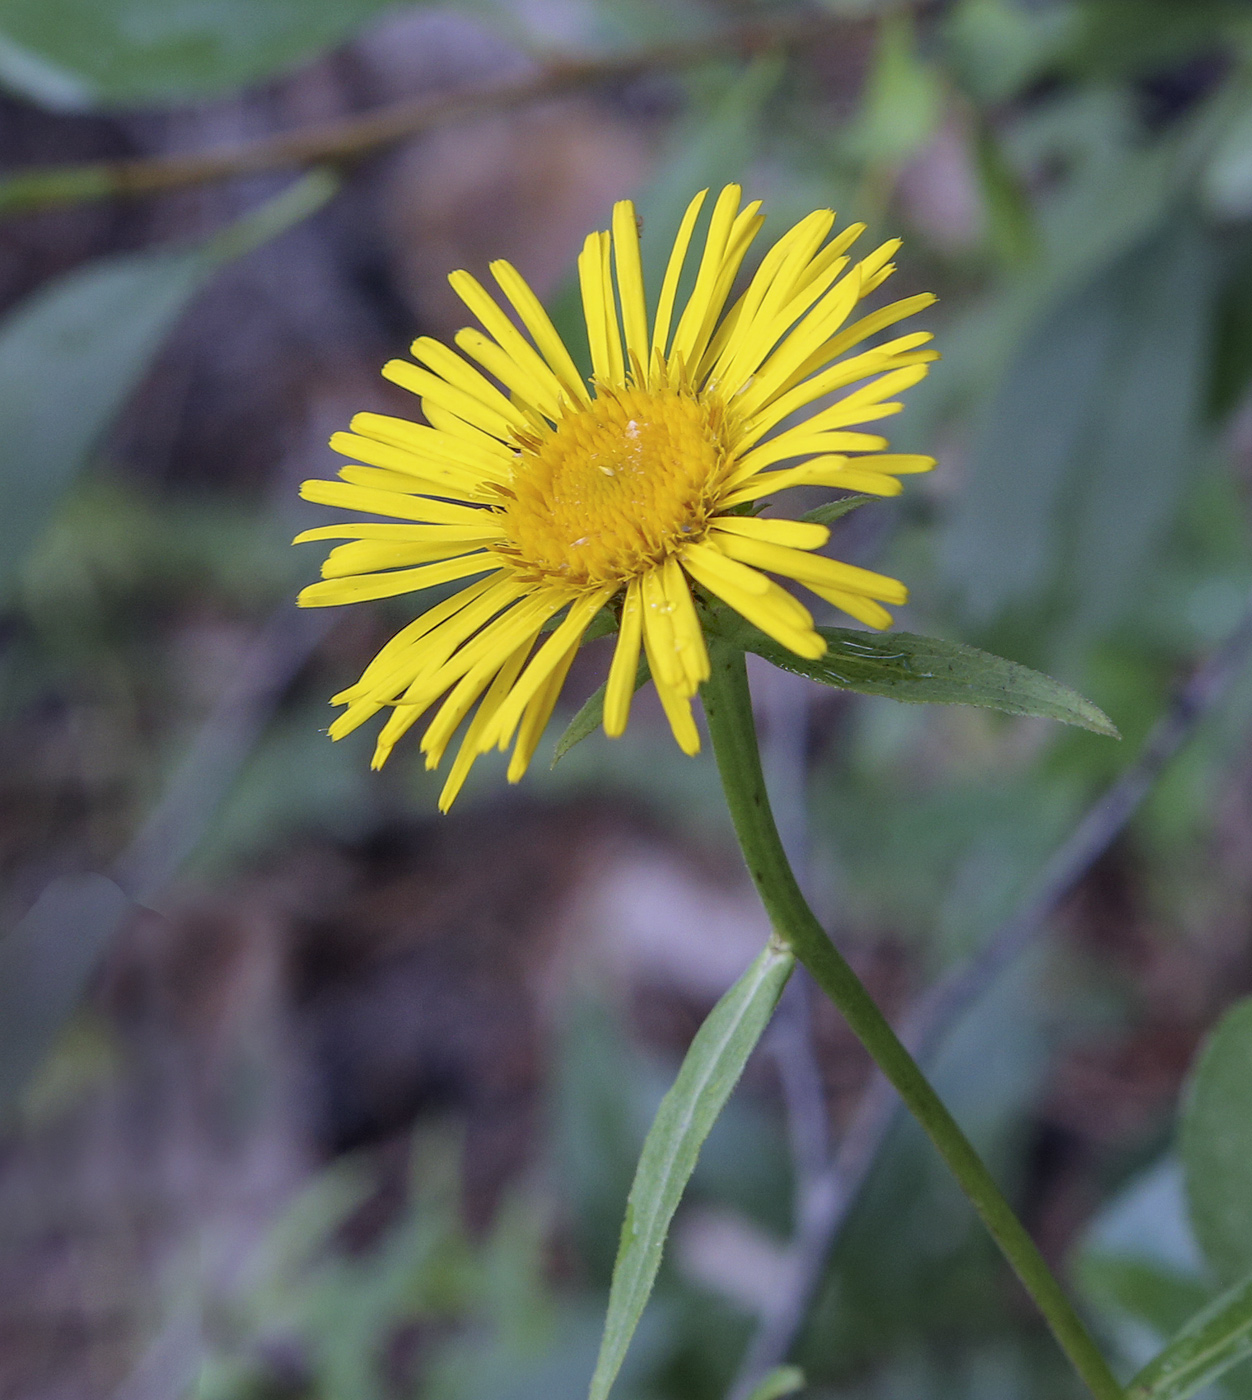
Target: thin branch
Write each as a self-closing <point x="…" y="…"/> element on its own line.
<point x="350" y="138"/>
<point x="830" y="1196"/>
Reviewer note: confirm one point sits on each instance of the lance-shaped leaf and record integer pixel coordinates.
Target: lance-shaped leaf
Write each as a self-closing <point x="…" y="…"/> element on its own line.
<point x="836" y="510"/>
<point x="683" y="1121"/>
<point x="924" y="670"/>
<point x="72" y="353"/>
<point x="1211" y="1343"/>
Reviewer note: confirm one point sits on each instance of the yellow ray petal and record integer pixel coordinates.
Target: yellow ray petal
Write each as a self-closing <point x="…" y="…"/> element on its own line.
<point x="508" y="337"/>
<point x="798" y="534"/>
<point x="434" y="390"/>
<point x="844" y="477"/>
<point x="451" y="368"/>
<point x="620" y="687"/>
<point x="856" y="605"/>
<point x="539" y="324"/>
<point x="370" y="530"/>
<point x="393" y="502"/>
<point x="536" y="716"/>
<point x="692" y="653"/>
<point x="629" y="264"/>
<point x="595" y="311"/>
<point x="815" y="568"/>
<point x="366" y="556"/>
<point x="468" y="753"/>
<point x="694" y="312"/>
<point x="658" y="632"/>
<point x="484" y="454"/>
<point x="575" y="623"/>
<point x="360" y="588"/>
<point x="771" y="609"/>
<point x="539" y="395"/>
<point x="676" y="705"/>
<point x="452" y="478"/>
<point x="673" y="273"/>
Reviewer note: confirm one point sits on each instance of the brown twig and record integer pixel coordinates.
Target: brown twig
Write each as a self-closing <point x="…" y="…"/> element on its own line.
<point x="350" y="138"/>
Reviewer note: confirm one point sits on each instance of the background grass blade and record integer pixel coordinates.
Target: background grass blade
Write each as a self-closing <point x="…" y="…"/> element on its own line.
<point x="1210" y="1344"/>
<point x="46" y="961"/>
<point x="687" y="1113"/>
<point x="782" y="1380"/>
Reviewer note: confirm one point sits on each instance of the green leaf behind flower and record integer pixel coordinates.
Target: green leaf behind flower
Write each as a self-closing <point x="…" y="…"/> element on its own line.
<point x="925" y="670"/>
<point x="687" y="1113"/>
<point x="72" y="353"/>
<point x="591" y="716"/>
<point x="835" y="510"/>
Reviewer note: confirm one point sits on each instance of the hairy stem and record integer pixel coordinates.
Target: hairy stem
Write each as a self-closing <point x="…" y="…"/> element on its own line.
<point x="728" y="706"/>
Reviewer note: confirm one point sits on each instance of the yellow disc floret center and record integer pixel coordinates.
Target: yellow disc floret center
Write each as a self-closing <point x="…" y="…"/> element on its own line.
<point x="615" y="487"/>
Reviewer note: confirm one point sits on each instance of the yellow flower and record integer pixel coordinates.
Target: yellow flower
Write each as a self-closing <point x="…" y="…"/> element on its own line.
<point x="560" y="498"/>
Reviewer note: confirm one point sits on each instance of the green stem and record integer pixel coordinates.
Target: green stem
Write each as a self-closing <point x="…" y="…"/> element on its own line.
<point x="728" y="706"/>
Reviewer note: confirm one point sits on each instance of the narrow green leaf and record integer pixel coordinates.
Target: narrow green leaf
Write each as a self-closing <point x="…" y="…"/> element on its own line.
<point x="1216" y="1141"/>
<point x="45" y="962"/>
<point x="925" y="671"/>
<point x="1216" y="1339"/>
<point x="591" y="716"/>
<point x="782" y="1380"/>
<point x="836" y="510"/>
<point x="71" y="355"/>
<point x="687" y="1113"/>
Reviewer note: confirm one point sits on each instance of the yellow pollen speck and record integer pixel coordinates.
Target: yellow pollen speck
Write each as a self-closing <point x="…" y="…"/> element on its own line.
<point x="615" y="487"/>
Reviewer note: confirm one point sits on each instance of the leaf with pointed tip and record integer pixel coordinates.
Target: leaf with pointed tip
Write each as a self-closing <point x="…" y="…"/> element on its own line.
<point x="836" y="510"/>
<point x="73" y="352"/>
<point x="924" y="671"/>
<point x="709" y="1072"/>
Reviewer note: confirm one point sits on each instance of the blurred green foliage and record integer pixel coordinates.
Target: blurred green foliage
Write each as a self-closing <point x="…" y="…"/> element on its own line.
<point x="1093" y="251"/>
<point x="78" y="54"/>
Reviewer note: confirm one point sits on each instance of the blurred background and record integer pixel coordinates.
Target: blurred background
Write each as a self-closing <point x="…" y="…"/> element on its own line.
<point x="307" y="1092"/>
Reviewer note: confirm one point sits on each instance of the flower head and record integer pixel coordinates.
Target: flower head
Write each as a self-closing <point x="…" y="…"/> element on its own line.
<point x="562" y="499"/>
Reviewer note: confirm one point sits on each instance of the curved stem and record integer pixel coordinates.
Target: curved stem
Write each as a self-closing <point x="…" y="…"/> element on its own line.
<point x="728" y="706"/>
